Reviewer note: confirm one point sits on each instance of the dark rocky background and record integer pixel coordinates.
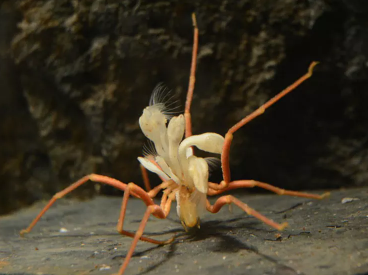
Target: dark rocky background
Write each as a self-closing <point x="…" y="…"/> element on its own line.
<point x="76" y="74"/>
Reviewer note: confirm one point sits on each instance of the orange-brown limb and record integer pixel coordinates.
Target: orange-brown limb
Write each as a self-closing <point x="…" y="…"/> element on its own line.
<point x="152" y="209"/>
<point x="230" y="199"/>
<point x="145" y="178"/>
<point x="159" y="187"/>
<point x="132" y="188"/>
<point x="169" y="192"/>
<point x="188" y="120"/>
<point x="215" y="189"/>
<point x="92" y="177"/>
<point x="229" y="135"/>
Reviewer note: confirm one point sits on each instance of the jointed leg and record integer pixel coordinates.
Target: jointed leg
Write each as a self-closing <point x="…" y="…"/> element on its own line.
<point x="93" y="177"/>
<point x="259" y="111"/>
<point x="169" y="195"/>
<point x="146" y="181"/>
<point x="215" y="190"/>
<point x="131" y="187"/>
<point x="188" y="123"/>
<point x="152" y="208"/>
<point x="230" y="199"/>
<point x="145" y="177"/>
<point x="159" y="187"/>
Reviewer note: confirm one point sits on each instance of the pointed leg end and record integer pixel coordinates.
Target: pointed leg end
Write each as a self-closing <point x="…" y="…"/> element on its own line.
<point x="325" y="195"/>
<point x="23" y="231"/>
<point x="282" y="226"/>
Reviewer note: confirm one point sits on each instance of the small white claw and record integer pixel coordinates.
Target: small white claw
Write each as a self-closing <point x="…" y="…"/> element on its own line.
<point x="209" y="142"/>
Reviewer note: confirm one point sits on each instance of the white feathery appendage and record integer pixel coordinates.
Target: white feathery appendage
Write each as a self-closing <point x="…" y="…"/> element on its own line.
<point x="209" y="142"/>
<point x="172" y="158"/>
<point x="198" y="171"/>
<point x="153" y="125"/>
<point x="150" y="166"/>
<point x="175" y="133"/>
<point x="162" y="163"/>
<point x="162" y="98"/>
<point x="213" y="163"/>
<point x="149" y="149"/>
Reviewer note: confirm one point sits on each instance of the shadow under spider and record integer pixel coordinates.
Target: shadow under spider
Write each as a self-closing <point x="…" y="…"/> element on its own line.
<point x="210" y="229"/>
<point x="231" y="244"/>
<point x="100" y="234"/>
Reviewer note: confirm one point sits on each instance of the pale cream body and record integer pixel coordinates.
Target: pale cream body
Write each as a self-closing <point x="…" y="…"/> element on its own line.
<point x="174" y="160"/>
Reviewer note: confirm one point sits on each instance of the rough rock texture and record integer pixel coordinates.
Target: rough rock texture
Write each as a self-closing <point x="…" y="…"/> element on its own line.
<point x="75" y="76"/>
<point x="324" y="237"/>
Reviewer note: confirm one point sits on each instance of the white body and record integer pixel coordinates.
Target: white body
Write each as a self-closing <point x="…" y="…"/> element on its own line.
<point x="174" y="159"/>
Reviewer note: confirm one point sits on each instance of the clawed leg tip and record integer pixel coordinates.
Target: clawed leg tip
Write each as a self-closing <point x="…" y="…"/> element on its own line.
<point x="311" y="67"/>
<point x="325" y="195"/>
<point x="282" y="226"/>
<point x="169" y="240"/>
<point x="22" y="232"/>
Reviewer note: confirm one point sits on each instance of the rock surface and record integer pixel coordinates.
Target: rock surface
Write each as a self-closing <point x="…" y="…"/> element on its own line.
<point x="323" y="237"/>
<point x="75" y="76"/>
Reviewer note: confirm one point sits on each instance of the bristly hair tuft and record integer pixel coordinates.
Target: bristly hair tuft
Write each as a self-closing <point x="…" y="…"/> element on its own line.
<point x="213" y="163"/>
<point x="149" y="149"/>
<point x="162" y="98"/>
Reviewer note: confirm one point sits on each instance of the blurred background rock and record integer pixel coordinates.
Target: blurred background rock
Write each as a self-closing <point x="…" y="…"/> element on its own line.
<point x="75" y="76"/>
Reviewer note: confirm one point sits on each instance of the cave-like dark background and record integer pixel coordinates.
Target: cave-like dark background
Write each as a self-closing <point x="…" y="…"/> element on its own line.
<point x="75" y="76"/>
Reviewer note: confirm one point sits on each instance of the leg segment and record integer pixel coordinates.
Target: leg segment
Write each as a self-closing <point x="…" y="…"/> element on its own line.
<point x="230" y="199"/>
<point x="188" y="122"/>
<point x="153" y="209"/>
<point x="215" y="189"/>
<point x="131" y="187"/>
<point x="155" y="190"/>
<point x="241" y="123"/>
<point x="145" y="177"/>
<point x="93" y="177"/>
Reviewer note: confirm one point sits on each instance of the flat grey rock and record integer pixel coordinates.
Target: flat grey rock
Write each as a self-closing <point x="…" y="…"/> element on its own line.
<point x="323" y="237"/>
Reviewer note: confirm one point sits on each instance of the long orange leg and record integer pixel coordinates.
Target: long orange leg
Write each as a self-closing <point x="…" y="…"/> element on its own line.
<point x="145" y="177"/>
<point x="214" y="189"/>
<point x="230" y="199"/>
<point x="152" y="208"/>
<point x="148" y="201"/>
<point x="188" y="122"/>
<point x="93" y="177"/>
<point x="241" y="123"/>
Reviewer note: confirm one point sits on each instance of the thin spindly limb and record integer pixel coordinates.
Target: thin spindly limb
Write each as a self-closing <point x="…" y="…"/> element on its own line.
<point x="188" y="121"/>
<point x="169" y="194"/>
<point x="152" y="209"/>
<point x="230" y="199"/>
<point x="215" y="190"/>
<point x="145" y="177"/>
<point x="229" y="135"/>
<point x="148" y="201"/>
<point x="92" y="177"/>
<point x="159" y="187"/>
